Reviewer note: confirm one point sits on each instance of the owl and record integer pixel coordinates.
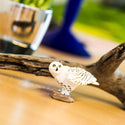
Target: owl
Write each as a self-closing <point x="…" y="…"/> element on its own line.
<point x="70" y="77"/>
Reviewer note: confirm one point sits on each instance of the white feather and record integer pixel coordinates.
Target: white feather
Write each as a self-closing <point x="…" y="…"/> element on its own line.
<point x="80" y="76"/>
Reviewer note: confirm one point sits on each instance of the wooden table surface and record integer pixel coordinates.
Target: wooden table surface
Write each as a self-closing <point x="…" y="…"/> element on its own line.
<point x="25" y="100"/>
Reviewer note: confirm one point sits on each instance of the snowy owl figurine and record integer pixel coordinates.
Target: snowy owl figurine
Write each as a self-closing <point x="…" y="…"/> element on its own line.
<point x="70" y="77"/>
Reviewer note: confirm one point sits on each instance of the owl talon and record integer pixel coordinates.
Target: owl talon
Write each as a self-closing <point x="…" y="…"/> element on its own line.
<point x="65" y="93"/>
<point x="59" y="96"/>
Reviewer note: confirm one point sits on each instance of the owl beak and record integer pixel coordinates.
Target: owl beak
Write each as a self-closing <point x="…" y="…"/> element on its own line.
<point x="57" y="69"/>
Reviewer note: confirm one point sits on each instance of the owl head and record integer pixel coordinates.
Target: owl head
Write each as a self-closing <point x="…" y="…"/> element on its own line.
<point x="55" y="67"/>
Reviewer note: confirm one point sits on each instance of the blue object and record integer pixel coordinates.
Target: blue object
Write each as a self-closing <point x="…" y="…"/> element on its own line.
<point x="62" y="38"/>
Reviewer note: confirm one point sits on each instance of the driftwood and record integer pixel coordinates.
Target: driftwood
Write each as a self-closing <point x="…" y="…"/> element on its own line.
<point x="105" y="69"/>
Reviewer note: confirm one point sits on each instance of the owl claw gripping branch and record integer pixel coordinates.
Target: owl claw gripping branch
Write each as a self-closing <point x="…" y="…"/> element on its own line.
<point x="70" y="77"/>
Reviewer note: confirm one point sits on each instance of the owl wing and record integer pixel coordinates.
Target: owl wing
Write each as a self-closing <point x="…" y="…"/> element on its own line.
<point x="80" y="76"/>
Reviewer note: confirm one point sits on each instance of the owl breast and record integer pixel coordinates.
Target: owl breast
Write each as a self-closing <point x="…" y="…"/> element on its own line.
<point x="62" y="76"/>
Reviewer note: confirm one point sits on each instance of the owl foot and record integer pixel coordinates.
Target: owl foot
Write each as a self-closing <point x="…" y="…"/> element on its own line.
<point x="59" y="96"/>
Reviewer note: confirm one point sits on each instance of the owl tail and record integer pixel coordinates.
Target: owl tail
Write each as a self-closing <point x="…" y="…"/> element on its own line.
<point x="95" y="83"/>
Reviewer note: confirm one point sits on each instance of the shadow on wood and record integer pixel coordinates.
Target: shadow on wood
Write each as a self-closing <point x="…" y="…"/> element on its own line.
<point x="105" y="69"/>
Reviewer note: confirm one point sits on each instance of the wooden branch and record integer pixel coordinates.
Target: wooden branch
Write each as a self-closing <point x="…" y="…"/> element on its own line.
<point x="111" y="61"/>
<point x="105" y="69"/>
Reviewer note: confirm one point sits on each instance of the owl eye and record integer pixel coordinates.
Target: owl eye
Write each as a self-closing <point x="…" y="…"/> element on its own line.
<point x="54" y="65"/>
<point x="60" y="66"/>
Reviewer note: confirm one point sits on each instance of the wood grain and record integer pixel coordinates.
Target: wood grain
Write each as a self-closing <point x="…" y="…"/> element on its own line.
<point x="25" y="100"/>
<point x="105" y="70"/>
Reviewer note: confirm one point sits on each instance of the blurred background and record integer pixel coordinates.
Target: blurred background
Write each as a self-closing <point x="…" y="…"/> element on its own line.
<point x="101" y="18"/>
<point x="99" y="22"/>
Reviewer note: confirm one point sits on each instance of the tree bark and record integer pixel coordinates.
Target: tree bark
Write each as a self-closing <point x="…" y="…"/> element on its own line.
<point x="105" y="69"/>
